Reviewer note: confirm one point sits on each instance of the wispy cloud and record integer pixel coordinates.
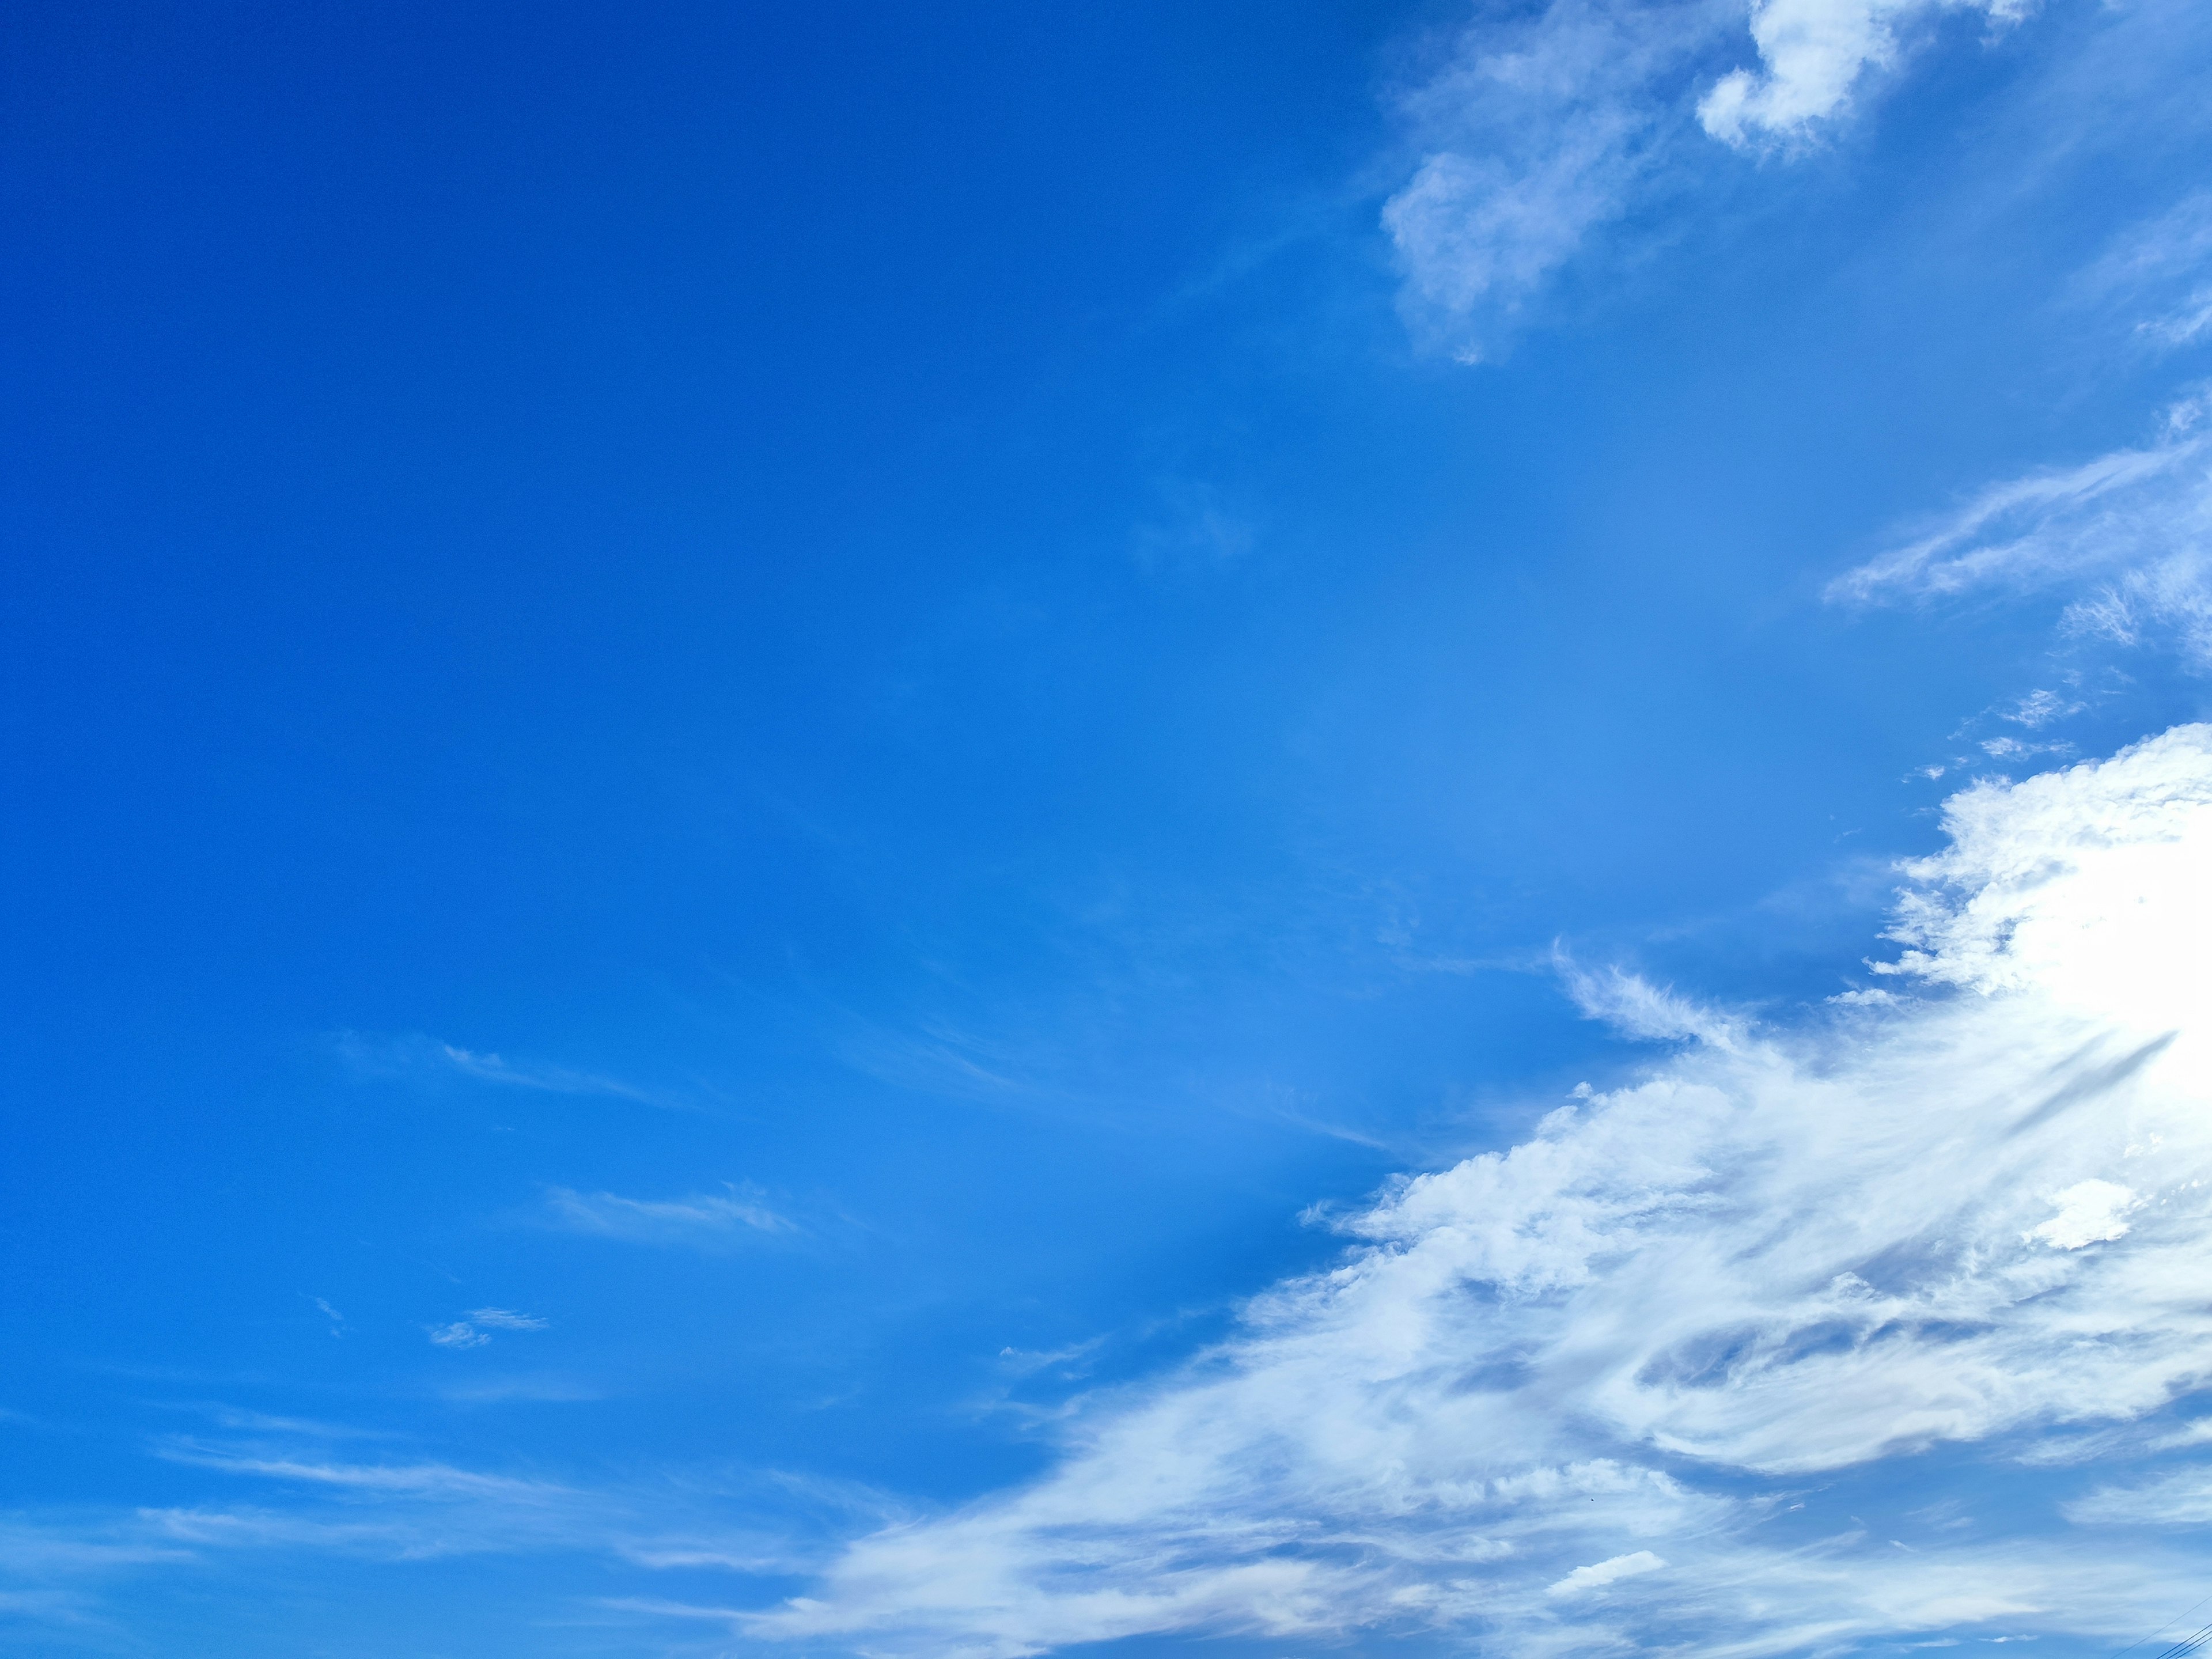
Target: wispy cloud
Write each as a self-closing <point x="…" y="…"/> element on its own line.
<point x="697" y="1221"/>
<point x="423" y="1056"/>
<point x="475" y="1331"/>
<point x="1585" y="1372"/>
<point x="2183" y="1498"/>
<point x="1536" y="130"/>
<point x="433" y="1479"/>
<point x="2161" y="270"/>
<point x="2130" y="531"/>
<point x="1599" y="1574"/>
<point x="1634" y="1007"/>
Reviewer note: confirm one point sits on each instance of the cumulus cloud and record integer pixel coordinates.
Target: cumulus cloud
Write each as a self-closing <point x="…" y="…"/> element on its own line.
<point x="1555" y="1397"/>
<point x="1812" y="53"/>
<point x="1534" y="130"/>
<point x="2183" y="1498"/>
<point x="2129" y="532"/>
<point x="417" y="1056"/>
<point x="402" y="1508"/>
<point x="2089" y="1212"/>
<point x="699" y="1221"/>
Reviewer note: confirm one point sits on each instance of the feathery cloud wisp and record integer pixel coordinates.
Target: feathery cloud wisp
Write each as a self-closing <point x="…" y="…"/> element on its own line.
<point x="700" y="1220"/>
<point x="2132" y="528"/>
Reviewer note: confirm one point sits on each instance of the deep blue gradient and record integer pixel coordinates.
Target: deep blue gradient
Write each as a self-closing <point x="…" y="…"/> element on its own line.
<point x="875" y="601"/>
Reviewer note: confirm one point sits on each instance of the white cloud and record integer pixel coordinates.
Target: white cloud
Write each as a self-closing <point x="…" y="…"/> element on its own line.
<point x="1535" y="131"/>
<point x="2183" y="1498"/>
<point x="701" y="1220"/>
<point x="458" y="1334"/>
<point x="2089" y="1212"/>
<point x="404" y="1509"/>
<point x="422" y="1057"/>
<point x="2039" y="708"/>
<point x="503" y="1319"/>
<point x="1599" y="1574"/>
<point x="552" y="1079"/>
<point x="1544" y="1371"/>
<point x="1812" y="54"/>
<point x="2131" y="531"/>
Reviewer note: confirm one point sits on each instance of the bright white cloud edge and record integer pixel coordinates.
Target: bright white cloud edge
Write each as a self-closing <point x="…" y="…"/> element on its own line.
<point x="1556" y="1396"/>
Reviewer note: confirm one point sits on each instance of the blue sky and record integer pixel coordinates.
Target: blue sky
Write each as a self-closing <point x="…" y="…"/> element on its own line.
<point x="973" y="832"/>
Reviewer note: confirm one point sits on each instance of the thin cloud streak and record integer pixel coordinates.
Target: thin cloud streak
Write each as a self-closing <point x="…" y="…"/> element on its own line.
<point x="2130" y="531"/>
<point x="697" y="1221"/>
<point x="425" y="1058"/>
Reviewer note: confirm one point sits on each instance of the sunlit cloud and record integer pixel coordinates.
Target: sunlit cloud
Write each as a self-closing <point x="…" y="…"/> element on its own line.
<point x="1585" y="1373"/>
<point x="1812" y="55"/>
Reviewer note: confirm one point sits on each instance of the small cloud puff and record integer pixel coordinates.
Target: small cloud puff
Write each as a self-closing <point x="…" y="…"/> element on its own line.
<point x="2089" y="1212"/>
<point x="500" y="1319"/>
<point x="2121" y="534"/>
<point x="1812" y="53"/>
<point x="1536" y="130"/>
<point x="474" y="1331"/>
